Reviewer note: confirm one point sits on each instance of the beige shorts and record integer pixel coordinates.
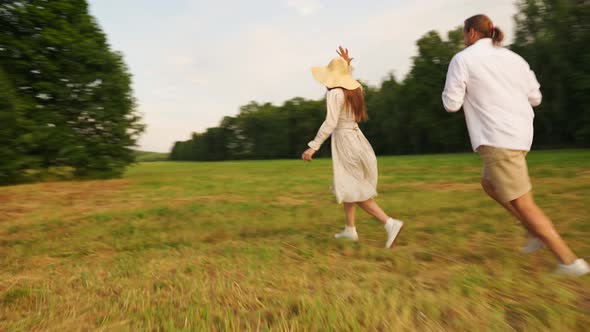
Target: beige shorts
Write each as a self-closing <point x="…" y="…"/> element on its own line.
<point x="507" y="171"/>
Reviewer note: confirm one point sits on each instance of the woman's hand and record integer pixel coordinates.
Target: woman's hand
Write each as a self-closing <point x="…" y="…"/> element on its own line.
<point x="343" y="52"/>
<point x="308" y="154"/>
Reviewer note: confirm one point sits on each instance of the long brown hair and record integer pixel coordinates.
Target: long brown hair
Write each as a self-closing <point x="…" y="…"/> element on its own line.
<point x="355" y="101"/>
<point x="484" y="26"/>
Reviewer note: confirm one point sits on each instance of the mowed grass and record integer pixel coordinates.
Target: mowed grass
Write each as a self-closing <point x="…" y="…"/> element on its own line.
<point x="248" y="246"/>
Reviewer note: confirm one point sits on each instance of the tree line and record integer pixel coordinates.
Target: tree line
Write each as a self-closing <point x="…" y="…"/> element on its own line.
<point x="65" y="97"/>
<point x="406" y="116"/>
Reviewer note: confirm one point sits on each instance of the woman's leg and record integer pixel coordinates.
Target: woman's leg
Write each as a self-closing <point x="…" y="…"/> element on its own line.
<point x="349" y="231"/>
<point x="371" y="207"/>
<point x="349" y="211"/>
<point x="392" y="226"/>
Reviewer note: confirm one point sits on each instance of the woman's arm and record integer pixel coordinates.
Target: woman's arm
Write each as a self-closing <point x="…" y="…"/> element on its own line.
<point x="343" y="52"/>
<point x="334" y="103"/>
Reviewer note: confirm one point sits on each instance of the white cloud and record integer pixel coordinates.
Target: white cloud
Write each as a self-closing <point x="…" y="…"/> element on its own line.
<point x="304" y="7"/>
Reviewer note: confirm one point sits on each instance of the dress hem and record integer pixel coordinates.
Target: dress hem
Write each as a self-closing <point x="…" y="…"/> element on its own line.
<point x="356" y="201"/>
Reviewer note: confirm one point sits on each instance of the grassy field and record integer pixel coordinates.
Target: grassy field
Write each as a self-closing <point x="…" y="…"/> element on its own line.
<point x="248" y="246"/>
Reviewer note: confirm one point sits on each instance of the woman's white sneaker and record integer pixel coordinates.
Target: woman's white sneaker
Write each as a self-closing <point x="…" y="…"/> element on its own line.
<point x="578" y="268"/>
<point x="348" y="233"/>
<point x="393" y="228"/>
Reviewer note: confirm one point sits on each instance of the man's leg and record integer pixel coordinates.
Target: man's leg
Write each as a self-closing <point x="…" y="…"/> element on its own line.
<point x="491" y="191"/>
<point x="539" y="224"/>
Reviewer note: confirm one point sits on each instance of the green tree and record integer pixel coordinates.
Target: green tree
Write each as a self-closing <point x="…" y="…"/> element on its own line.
<point x="76" y="90"/>
<point x="16" y="140"/>
<point x="407" y="117"/>
<point x="553" y="36"/>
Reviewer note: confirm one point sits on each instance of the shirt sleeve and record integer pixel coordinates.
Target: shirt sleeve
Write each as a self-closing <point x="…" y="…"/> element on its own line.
<point x="454" y="93"/>
<point x="534" y="90"/>
<point x="335" y="103"/>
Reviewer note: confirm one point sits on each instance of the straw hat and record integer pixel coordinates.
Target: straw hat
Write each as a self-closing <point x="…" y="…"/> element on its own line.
<point x="335" y="75"/>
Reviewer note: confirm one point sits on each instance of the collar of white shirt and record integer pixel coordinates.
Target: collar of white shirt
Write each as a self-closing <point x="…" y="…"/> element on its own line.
<point x="484" y="41"/>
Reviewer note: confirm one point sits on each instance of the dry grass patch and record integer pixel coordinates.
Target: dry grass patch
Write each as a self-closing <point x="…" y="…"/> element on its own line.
<point x="171" y="247"/>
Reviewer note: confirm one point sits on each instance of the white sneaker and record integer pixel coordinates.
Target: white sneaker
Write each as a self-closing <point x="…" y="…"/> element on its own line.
<point x="578" y="268"/>
<point x="348" y="233"/>
<point x="532" y="244"/>
<point x="393" y="228"/>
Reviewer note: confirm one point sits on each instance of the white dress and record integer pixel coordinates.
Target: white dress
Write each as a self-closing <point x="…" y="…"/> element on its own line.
<point x="353" y="158"/>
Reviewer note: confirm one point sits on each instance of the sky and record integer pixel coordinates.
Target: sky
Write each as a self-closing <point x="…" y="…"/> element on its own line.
<point x="195" y="61"/>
